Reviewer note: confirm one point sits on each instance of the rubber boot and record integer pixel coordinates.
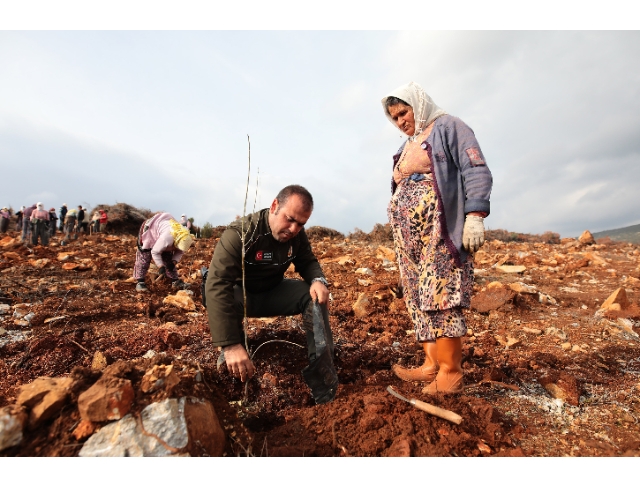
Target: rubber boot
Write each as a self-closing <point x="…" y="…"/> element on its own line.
<point x="426" y="372"/>
<point x="449" y="378"/>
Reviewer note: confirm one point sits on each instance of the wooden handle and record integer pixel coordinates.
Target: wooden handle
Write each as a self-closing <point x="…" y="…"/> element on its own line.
<point x="436" y="411"/>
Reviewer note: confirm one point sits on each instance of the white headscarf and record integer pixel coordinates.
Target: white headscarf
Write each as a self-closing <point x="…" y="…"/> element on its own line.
<point x="425" y="110"/>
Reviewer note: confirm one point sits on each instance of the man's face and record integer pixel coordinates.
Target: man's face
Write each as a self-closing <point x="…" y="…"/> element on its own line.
<point x="287" y="220"/>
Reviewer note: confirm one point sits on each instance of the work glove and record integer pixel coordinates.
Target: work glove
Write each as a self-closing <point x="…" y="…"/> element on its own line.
<point x="162" y="272"/>
<point x="473" y="233"/>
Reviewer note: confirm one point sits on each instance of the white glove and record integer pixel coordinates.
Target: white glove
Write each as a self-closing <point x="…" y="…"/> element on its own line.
<point x="473" y="233"/>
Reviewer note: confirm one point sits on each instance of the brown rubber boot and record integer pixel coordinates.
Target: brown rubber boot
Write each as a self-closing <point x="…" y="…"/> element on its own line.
<point x="426" y="372"/>
<point x="449" y="378"/>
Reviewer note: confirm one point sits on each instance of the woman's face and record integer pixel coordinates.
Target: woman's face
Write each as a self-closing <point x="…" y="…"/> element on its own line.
<point x="402" y="115"/>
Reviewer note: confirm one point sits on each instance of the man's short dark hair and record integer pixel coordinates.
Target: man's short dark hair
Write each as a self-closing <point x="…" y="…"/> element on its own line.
<point x="286" y="192"/>
<point x="392" y="101"/>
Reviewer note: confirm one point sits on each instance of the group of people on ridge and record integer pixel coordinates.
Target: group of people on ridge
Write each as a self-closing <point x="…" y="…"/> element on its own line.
<point x="38" y="225"/>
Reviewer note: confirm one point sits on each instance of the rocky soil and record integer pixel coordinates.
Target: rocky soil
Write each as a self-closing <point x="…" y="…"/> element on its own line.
<point x="549" y="372"/>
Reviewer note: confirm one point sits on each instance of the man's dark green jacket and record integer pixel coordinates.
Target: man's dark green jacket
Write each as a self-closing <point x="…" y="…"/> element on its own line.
<point x="266" y="261"/>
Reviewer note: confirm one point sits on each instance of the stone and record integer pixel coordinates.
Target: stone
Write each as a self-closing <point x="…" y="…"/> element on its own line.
<point x="99" y="361"/>
<point x="206" y="434"/>
<point x="619" y="297"/>
<point x="346" y="260"/>
<point x="586" y="238"/>
<point x="533" y="331"/>
<point x="7" y="242"/>
<point x="491" y="298"/>
<point x="632" y="281"/>
<point x="383" y="253"/>
<point x="366" y="271"/>
<point x="482" y="257"/>
<point x="173" y="427"/>
<point x="62" y="256"/>
<point x="483" y="447"/>
<point x="44" y="397"/>
<point x="84" y="430"/>
<point x="595" y="259"/>
<point x="159" y="376"/>
<point x="553" y="331"/>
<point x="561" y="385"/>
<point x="511" y="269"/>
<point x="495" y="285"/>
<point x="5" y="309"/>
<point x="11" y="255"/>
<point x="12" y="422"/>
<point x="181" y="300"/>
<point x="361" y="306"/>
<point x="109" y="398"/>
<point x="626" y="325"/>
<point x="39" y="263"/>
<point x="20" y="312"/>
<point x="401" y="447"/>
<point x="522" y="288"/>
<point x="546" y="299"/>
<point x="566" y="346"/>
<point x="508" y="342"/>
<point x="365" y="282"/>
<point x="170" y="335"/>
<point x="576" y="264"/>
<point x="53" y="319"/>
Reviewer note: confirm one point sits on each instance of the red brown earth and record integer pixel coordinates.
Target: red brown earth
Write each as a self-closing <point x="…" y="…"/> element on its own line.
<point x="545" y="376"/>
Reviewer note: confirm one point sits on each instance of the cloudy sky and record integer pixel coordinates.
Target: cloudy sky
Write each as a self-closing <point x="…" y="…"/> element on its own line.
<point x="159" y="119"/>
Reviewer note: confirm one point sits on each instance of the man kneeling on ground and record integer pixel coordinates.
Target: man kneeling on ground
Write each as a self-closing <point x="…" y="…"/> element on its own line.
<point x="274" y="239"/>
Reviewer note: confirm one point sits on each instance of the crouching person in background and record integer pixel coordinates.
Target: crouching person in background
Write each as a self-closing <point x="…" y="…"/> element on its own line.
<point x="163" y="240"/>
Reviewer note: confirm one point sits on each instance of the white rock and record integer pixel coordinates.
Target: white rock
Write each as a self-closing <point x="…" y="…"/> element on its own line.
<point x="546" y="299"/>
<point x="164" y="419"/>
<point x="10" y="430"/>
<point x="366" y="271"/>
<point x="552" y="330"/>
<point x="4" y="309"/>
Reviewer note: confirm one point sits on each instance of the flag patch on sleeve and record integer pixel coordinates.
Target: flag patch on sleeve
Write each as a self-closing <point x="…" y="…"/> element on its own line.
<point x="475" y="156"/>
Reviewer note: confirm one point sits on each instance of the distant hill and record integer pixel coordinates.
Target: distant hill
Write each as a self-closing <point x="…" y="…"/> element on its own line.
<point x="626" y="234"/>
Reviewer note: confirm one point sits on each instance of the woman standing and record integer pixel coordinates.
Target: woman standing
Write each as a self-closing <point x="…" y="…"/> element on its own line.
<point x="5" y="216"/>
<point x="440" y="195"/>
<point x="40" y="225"/>
<point x="104" y="218"/>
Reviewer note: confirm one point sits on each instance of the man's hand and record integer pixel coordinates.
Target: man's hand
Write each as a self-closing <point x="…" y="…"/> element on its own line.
<point x="238" y="362"/>
<point x="162" y="272"/>
<point x="473" y="233"/>
<point x="319" y="292"/>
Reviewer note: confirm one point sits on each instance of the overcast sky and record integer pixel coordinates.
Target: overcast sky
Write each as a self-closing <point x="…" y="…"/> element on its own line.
<point x="159" y="119"/>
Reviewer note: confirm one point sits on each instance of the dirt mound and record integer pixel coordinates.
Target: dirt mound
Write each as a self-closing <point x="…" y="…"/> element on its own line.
<point x="124" y="218"/>
<point x="381" y="234"/>
<point x="322" y="232"/>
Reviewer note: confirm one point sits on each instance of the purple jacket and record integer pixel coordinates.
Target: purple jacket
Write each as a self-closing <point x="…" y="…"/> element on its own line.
<point x="463" y="180"/>
<point x="27" y="212"/>
<point x="157" y="236"/>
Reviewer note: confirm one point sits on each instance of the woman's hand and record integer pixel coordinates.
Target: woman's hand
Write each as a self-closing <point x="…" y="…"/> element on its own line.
<point x="473" y="233"/>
